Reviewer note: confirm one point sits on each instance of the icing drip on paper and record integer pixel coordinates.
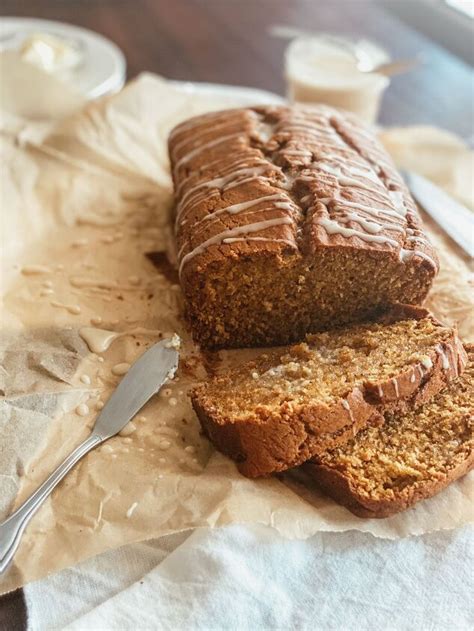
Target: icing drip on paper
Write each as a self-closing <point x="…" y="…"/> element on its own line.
<point x="98" y="340"/>
<point x="35" y="270"/>
<point x="120" y="369"/>
<point x="74" y="309"/>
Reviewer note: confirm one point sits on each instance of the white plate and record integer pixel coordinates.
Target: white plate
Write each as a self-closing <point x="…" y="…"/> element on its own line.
<point x="103" y="68"/>
<point x="237" y="95"/>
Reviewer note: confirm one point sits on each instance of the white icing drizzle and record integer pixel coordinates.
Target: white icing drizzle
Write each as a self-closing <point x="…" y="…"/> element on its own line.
<point x="309" y="128"/>
<point x="444" y="359"/>
<point x="131" y="510"/>
<point x="408" y="255"/>
<point x="413" y="378"/>
<point x="234" y="209"/>
<point x="296" y="124"/>
<point x="264" y="239"/>
<point x="129" y="428"/>
<point x="418" y="239"/>
<point x="426" y="362"/>
<point x="82" y="281"/>
<point x="362" y="171"/>
<point x="368" y="226"/>
<point x="98" y="340"/>
<point x="374" y="221"/>
<point x="200" y="224"/>
<point x="333" y="227"/>
<point x="235" y="232"/>
<point x="35" y="270"/>
<point x="395" y="386"/>
<point x="82" y="409"/>
<point x="215" y="118"/>
<point x="369" y="209"/>
<point x="265" y="130"/>
<point x="396" y="197"/>
<point x="297" y="152"/>
<point x="238" y="163"/>
<point x="207" y="145"/>
<point x="195" y="138"/>
<point x="251" y="178"/>
<point x="74" y="309"/>
<point x="398" y="201"/>
<point x="380" y="392"/>
<point x="223" y="182"/>
<point x="120" y="369"/>
<point x="346" y="406"/>
<point x="342" y="179"/>
<point x="455" y="357"/>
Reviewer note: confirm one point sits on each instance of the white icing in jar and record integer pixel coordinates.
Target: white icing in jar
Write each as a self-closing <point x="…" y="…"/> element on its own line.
<point x="324" y="69"/>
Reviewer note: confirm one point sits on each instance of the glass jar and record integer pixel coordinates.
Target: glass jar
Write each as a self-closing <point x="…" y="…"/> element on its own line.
<point x="336" y="71"/>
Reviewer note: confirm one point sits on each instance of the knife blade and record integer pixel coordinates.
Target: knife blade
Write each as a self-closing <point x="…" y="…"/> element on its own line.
<point x="454" y="218"/>
<point x="142" y="381"/>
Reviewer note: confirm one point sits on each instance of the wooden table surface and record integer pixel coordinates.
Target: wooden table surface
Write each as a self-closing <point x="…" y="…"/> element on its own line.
<point x="227" y="41"/>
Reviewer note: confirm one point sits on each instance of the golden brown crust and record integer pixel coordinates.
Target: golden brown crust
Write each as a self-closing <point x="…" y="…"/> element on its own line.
<point x="335" y="484"/>
<point x="325" y="195"/>
<point x="275" y="441"/>
<point x="332" y="476"/>
<point x="280" y="442"/>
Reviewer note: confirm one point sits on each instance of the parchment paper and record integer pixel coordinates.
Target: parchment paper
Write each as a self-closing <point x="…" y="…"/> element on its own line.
<point x="87" y="198"/>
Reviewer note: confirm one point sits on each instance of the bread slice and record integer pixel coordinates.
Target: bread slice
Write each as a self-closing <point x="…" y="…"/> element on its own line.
<point x="414" y="455"/>
<point x="293" y="403"/>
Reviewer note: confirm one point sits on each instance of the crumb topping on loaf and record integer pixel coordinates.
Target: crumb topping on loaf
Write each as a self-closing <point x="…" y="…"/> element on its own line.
<point x="290" y="177"/>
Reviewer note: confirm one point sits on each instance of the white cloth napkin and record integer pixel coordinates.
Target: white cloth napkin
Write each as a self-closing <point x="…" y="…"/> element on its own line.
<point x="252" y="578"/>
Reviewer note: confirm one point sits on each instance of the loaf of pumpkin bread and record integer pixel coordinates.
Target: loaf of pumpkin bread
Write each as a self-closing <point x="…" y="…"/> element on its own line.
<point x="294" y="403"/>
<point x="290" y="220"/>
<point x="410" y="457"/>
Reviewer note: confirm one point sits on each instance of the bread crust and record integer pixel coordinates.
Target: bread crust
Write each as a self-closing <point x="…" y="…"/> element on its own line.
<point x="335" y="484"/>
<point x="267" y="443"/>
<point x="320" y="176"/>
<point x="343" y="488"/>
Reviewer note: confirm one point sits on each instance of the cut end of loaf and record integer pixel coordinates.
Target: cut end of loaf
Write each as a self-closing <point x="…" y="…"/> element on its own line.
<point x="237" y="303"/>
<point x="290" y="404"/>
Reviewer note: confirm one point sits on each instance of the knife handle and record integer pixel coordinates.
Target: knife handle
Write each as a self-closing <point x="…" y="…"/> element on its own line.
<point x="13" y="527"/>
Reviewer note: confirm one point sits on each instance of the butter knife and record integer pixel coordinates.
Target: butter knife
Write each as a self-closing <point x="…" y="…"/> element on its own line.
<point x="455" y="219"/>
<point x="142" y="381"/>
